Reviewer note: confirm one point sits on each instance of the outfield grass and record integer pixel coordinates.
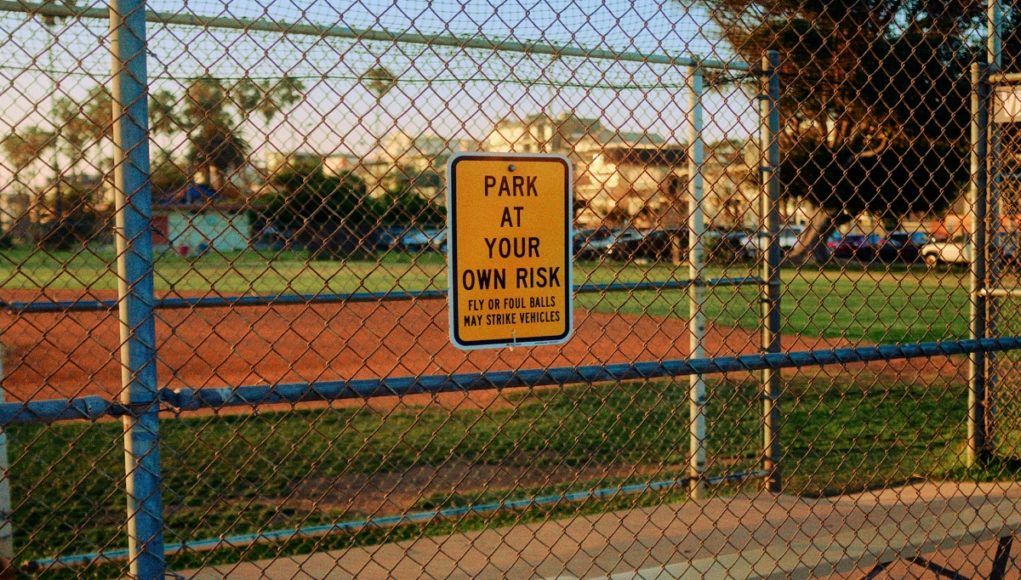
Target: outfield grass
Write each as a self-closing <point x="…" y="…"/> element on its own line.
<point x="880" y="304"/>
<point x="232" y="474"/>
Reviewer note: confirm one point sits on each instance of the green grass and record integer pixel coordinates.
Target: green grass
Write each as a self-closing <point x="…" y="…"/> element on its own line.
<point x="233" y="474"/>
<point x="881" y="304"/>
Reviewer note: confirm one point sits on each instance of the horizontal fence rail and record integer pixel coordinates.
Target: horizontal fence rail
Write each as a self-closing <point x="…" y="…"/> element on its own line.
<point x="92" y="408"/>
<point x="183" y="19"/>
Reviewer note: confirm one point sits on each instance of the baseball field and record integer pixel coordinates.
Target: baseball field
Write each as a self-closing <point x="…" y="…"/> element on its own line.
<point x="348" y="463"/>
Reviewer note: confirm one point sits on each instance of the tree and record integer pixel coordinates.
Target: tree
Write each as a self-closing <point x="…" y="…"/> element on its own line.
<point x="267" y="97"/>
<point x="24" y="149"/>
<point x="216" y="144"/>
<point x="27" y="147"/>
<point x="163" y="116"/>
<point x="212" y="115"/>
<point x="412" y="200"/>
<point x="325" y="213"/>
<point x="85" y="124"/>
<point x="379" y="80"/>
<point x="874" y="107"/>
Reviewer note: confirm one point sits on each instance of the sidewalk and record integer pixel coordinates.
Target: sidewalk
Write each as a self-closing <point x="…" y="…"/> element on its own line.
<point x="954" y="525"/>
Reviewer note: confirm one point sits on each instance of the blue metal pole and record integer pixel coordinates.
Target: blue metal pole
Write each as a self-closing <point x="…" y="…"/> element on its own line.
<point x="135" y="288"/>
<point x="696" y="292"/>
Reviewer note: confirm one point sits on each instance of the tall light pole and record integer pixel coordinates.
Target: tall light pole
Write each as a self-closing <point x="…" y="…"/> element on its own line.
<point x="50" y="23"/>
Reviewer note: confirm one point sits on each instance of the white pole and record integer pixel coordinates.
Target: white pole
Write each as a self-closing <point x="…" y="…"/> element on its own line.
<point x="6" y="526"/>
<point x="696" y="291"/>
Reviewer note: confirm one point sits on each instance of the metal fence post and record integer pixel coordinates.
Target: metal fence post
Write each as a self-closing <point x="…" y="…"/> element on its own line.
<point x="994" y="39"/>
<point x="977" y="444"/>
<point x="696" y="291"/>
<point x="770" y="298"/>
<point x="135" y="288"/>
<point x="991" y="281"/>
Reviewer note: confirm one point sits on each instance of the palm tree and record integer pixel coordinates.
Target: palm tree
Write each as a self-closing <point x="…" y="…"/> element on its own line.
<point x="217" y="147"/>
<point x="85" y="124"/>
<point x="267" y="97"/>
<point x="163" y="117"/>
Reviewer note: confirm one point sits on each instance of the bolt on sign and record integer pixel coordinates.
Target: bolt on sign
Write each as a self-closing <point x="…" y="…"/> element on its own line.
<point x="509" y="249"/>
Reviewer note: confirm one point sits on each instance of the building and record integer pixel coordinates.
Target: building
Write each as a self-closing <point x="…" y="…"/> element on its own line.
<point x="413" y="161"/>
<point x="541" y="133"/>
<point x="632" y="183"/>
<point x="197" y="219"/>
<point x="620" y="178"/>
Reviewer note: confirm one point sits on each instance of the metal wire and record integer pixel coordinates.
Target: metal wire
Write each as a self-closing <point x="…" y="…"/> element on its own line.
<point x="224" y="285"/>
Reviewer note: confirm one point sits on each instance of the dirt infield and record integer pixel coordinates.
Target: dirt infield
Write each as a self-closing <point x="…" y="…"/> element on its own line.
<point x="74" y="354"/>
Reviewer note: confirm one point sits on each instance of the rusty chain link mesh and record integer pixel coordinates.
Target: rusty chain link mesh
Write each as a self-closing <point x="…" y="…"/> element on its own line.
<point x="314" y="418"/>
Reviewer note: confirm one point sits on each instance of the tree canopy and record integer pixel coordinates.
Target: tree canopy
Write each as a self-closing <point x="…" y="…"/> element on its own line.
<point x="875" y="99"/>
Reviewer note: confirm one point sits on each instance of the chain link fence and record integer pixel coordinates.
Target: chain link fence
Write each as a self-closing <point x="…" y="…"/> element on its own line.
<point x="223" y="283"/>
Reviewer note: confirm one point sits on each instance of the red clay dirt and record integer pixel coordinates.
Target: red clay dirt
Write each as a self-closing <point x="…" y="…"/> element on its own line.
<point x="75" y="354"/>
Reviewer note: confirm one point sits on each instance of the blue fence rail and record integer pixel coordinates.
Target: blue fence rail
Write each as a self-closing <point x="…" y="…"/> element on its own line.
<point x="92" y="408"/>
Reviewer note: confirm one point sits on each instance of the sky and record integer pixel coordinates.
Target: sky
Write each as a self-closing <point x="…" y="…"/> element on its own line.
<point x="452" y="92"/>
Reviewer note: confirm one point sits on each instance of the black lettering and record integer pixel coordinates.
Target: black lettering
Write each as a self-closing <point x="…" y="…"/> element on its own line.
<point x="531" y="186"/>
<point x="504" y="187"/>
<point x="520" y="247"/>
<point x="484" y="279"/>
<point x="542" y="277"/>
<point x="505" y="220"/>
<point x="519" y="185"/>
<point x="490" y="182"/>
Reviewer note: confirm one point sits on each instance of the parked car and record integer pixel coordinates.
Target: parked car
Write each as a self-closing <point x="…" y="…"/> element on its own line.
<point x="589" y="243"/>
<point x="652" y="245"/>
<point x="620" y="235"/>
<point x="726" y="245"/>
<point x="857" y="246"/>
<point x="416" y="240"/>
<point x="787" y="237"/>
<point x="903" y="246"/>
<point x="1003" y="247"/>
<point x="943" y="251"/>
<point x="388" y="237"/>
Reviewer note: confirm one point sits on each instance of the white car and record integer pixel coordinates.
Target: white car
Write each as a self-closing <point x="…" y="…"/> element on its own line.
<point x="788" y="238"/>
<point x="953" y="251"/>
<point x="1002" y="247"/>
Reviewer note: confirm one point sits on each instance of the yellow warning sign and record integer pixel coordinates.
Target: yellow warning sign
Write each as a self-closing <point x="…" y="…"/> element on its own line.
<point x="509" y="249"/>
